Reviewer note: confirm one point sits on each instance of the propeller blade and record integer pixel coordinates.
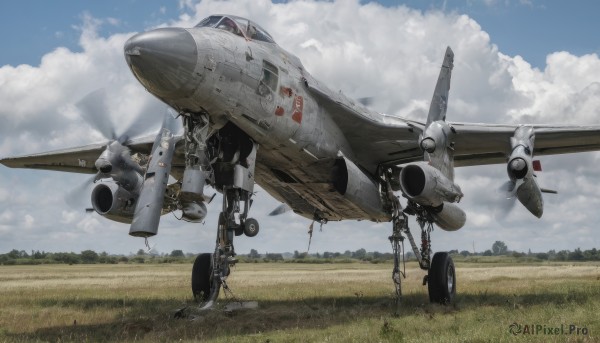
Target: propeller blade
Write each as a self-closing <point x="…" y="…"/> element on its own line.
<point x="145" y="120"/>
<point x="507" y="205"/>
<point x="508" y="187"/>
<point x="93" y="108"/>
<point x="508" y="193"/>
<point x="79" y="197"/>
<point x="281" y="209"/>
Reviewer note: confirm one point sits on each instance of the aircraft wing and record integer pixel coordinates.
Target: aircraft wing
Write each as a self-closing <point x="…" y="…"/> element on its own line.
<point x="479" y="144"/>
<point x="74" y="160"/>
<point x="375" y="140"/>
<point x="389" y="140"/>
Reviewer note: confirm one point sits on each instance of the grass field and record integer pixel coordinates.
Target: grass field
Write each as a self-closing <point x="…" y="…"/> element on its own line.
<point x="299" y="303"/>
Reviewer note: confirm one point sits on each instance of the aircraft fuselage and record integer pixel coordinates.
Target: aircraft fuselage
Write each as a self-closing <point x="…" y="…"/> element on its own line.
<point x="262" y="89"/>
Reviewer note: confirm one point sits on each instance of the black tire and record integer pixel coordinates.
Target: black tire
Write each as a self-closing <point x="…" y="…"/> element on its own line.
<point x="441" y="281"/>
<point x="251" y="227"/>
<point x="201" y="277"/>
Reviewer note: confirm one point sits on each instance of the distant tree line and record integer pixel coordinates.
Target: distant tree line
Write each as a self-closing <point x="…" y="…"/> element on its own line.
<point x="325" y="257"/>
<point x="21" y="257"/>
<point x="499" y="248"/>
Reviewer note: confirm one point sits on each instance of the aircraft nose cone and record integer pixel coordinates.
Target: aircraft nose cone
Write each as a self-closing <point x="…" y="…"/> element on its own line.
<point x="517" y="168"/>
<point x="428" y="144"/>
<point x="163" y="60"/>
<point x="103" y="165"/>
<point x="518" y="164"/>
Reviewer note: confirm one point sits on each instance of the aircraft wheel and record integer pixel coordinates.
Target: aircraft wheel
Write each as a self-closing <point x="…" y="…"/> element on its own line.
<point x="250" y="227"/>
<point x="201" y="277"/>
<point x="441" y="279"/>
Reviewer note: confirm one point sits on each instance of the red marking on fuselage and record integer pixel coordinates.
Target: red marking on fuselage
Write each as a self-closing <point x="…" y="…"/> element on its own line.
<point x="286" y="91"/>
<point x="298" y="107"/>
<point x="537" y="165"/>
<point x="279" y="111"/>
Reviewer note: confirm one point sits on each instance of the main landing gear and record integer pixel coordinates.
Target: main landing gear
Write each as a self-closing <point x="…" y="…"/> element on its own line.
<point x="441" y="280"/>
<point x="441" y="275"/>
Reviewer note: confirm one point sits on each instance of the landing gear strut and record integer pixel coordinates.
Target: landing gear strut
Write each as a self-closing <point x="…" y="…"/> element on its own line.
<point x="441" y="276"/>
<point x="397" y="240"/>
<point x="234" y="177"/>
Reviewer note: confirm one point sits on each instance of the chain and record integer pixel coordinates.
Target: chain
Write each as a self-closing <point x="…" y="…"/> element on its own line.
<point x="398" y="249"/>
<point x="147" y="244"/>
<point x="399" y="223"/>
<point x="426" y="243"/>
<point x="226" y="290"/>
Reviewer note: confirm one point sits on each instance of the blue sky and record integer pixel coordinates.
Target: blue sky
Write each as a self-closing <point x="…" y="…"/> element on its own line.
<point x="31" y="28"/>
<point x="532" y="29"/>
<point x="535" y="29"/>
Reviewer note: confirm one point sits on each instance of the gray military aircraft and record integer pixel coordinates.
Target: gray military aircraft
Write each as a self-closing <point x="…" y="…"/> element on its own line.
<point x="326" y="156"/>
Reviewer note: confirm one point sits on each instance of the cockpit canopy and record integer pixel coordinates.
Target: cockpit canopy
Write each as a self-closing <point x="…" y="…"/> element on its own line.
<point x="238" y="26"/>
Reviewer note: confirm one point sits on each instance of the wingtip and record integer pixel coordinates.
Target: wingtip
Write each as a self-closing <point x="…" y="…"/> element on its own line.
<point x="6" y="161"/>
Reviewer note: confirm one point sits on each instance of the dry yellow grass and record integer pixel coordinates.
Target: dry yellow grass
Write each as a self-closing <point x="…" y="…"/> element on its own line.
<point x="297" y="303"/>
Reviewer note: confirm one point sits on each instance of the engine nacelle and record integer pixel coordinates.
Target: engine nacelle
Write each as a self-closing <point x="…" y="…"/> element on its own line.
<point x="356" y="186"/>
<point x="519" y="164"/>
<point x="427" y="186"/>
<point x="449" y="216"/>
<point x="113" y="202"/>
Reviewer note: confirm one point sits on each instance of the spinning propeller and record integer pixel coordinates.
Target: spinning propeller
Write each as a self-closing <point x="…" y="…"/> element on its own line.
<point x="116" y="160"/>
<point x="522" y="184"/>
<point x="508" y="197"/>
<point x="281" y="209"/>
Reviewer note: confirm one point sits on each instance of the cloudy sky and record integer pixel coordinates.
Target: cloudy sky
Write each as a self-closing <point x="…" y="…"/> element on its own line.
<point x="515" y="62"/>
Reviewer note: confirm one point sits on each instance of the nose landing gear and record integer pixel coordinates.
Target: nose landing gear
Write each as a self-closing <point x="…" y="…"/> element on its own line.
<point x="202" y="274"/>
<point x="234" y="177"/>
